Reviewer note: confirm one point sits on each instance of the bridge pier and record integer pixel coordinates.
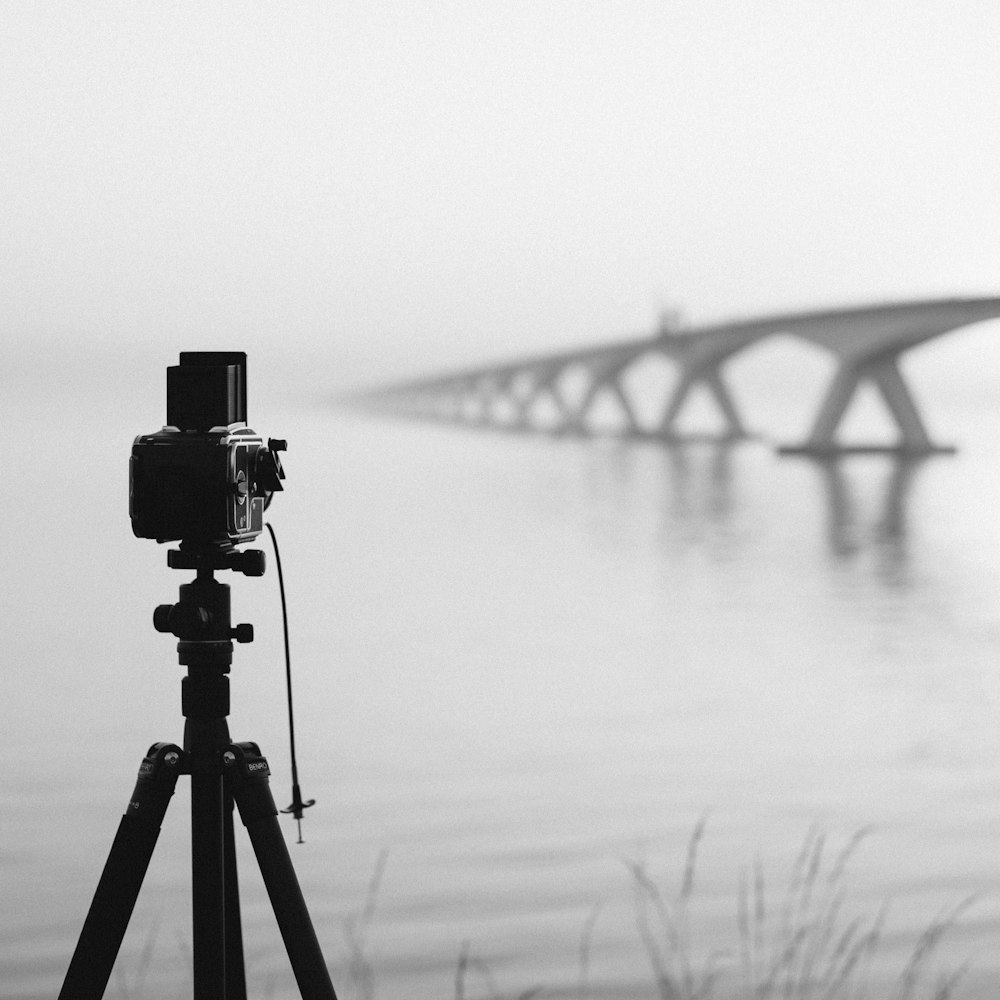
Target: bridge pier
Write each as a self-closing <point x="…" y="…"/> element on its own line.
<point x="883" y="372"/>
<point x="543" y="384"/>
<point x="602" y="376"/>
<point x="477" y="401"/>
<point x="631" y="420"/>
<point x="712" y="379"/>
<point x="500" y="390"/>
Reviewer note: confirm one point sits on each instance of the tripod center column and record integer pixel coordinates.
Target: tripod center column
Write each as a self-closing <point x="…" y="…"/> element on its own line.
<point x="201" y="621"/>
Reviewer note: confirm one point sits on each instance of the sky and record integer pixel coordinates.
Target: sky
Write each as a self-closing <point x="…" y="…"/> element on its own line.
<point x="357" y="192"/>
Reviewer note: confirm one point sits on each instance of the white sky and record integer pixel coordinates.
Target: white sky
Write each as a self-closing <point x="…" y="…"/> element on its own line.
<point x="384" y="189"/>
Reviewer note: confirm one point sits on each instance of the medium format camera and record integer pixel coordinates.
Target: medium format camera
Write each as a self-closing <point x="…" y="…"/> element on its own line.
<point x="205" y="477"/>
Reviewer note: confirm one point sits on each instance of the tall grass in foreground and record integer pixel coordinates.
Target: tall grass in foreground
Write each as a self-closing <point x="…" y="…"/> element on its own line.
<point x="803" y="943"/>
<point x="802" y="946"/>
<point x="356" y="931"/>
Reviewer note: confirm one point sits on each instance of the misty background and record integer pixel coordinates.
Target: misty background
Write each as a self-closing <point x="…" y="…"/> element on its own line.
<point x="520" y="659"/>
<point x="367" y="190"/>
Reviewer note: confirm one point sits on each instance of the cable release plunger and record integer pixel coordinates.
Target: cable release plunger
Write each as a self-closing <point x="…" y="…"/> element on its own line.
<point x="297" y="806"/>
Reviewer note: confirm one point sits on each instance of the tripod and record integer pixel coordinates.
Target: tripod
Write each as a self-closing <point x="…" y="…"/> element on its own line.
<point x="222" y="773"/>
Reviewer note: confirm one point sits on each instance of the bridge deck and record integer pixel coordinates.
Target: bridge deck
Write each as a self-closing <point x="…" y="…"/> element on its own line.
<point x="866" y="341"/>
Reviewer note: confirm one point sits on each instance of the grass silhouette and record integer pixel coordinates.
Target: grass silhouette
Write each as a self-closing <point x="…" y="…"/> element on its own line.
<point x="798" y="947"/>
<point x="800" y="943"/>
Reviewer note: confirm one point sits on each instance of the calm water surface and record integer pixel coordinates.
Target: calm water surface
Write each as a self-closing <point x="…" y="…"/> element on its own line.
<point x="520" y="663"/>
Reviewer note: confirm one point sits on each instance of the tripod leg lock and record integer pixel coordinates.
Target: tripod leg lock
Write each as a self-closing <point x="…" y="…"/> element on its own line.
<point x="155" y="784"/>
<point x="246" y="775"/>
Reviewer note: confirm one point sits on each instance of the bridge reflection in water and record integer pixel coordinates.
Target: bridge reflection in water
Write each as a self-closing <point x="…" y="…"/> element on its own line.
<point x="713" y="497"/>
<point x="849" y="528"/>
<point x="536" y="394"/>
<point x="863" y="502"/>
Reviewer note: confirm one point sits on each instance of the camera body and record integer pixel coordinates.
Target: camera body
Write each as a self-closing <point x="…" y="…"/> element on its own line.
<point x="205" y="477"/>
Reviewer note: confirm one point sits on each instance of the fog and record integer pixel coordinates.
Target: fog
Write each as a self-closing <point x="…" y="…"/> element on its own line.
<point x="518" y="659"/>
<point x="364" y="191"/>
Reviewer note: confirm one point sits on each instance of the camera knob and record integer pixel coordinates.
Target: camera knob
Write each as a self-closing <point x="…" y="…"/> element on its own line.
<point x="161" y="617"/>
<point x="277" y="444"/>
<point x="249" y="563"/>
<point x="186" y="621"/>
<point x="243" y="633"/>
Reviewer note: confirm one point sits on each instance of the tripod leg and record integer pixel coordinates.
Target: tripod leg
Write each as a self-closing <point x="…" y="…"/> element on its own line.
<point x="236" y="980"/>
<point x="208" y="908"/>
<point x="248" y="773"/>
<point x="121" y="880"/>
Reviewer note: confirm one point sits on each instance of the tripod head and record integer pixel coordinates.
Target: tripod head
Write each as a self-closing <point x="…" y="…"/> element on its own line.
<point x="201" y="619"/>
<point x="216" y="555"/>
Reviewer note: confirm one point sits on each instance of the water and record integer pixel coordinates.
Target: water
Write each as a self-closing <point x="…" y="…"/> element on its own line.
<point x="520" y="662"/>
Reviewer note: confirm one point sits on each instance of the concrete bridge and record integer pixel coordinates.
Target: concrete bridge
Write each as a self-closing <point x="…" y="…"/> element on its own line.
<point x="865" y="341"/>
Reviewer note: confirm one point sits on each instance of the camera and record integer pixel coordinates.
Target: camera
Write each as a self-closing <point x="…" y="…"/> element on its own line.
<point x="205" y="477"/>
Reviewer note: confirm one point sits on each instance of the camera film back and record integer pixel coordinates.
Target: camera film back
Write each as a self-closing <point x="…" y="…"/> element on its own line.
<point x="207" y="389"/>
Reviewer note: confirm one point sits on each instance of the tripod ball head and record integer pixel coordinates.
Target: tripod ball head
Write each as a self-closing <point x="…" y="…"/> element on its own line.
<point x="194" y="623"/>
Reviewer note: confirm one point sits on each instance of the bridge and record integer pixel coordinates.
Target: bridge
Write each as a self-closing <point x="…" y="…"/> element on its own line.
<point x="866" y="343"/>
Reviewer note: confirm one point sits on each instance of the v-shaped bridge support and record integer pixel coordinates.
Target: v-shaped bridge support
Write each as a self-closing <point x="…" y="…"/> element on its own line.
<point x="712" y="379"/>
<point x="884" y="374"/>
